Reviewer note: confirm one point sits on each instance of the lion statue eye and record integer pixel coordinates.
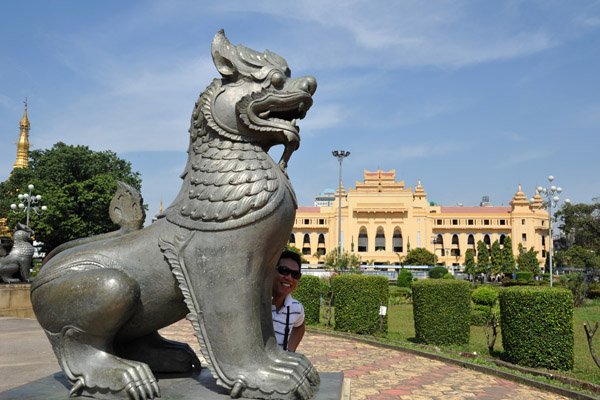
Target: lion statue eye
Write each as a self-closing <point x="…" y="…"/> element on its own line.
<point x="277" y="79"/>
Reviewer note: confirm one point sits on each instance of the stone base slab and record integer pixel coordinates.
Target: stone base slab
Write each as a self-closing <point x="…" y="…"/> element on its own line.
<point x="15" y="301"/>
<point x="201" y="386"/>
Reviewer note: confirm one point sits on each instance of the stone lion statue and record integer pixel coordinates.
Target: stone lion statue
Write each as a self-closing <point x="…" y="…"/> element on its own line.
<point x="210" y="258"/>
<point x="15" y="266"/>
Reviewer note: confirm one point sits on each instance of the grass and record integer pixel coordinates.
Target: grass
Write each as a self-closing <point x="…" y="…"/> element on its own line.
<point x="401" y="328"/>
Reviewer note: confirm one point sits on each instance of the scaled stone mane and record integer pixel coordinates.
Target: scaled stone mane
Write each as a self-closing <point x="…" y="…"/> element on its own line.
<point x="210" y="258"/>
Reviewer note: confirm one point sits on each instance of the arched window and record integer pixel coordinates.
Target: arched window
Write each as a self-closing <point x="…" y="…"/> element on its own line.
<point x="321" y="239"/>
<point x="397" y="241"/>
<point x="380" y="240"/>
<point x="292" y="239"/>
<point x="306" y="245"/>
<point x="439" y="240"/>
<point x="486" y="239"/>
<point x="455" y="239"/>
<point x="471" y="239"/>
<point x="363" y="241"/>
<point x="501" y="241"/>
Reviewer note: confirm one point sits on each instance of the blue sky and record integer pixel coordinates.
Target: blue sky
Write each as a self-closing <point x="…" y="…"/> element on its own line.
<point x="472" y="97"/>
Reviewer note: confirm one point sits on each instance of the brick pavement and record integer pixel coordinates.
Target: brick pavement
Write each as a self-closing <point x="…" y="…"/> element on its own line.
<point x="382" y="374"/>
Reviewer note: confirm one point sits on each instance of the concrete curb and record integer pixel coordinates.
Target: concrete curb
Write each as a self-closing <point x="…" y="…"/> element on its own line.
<point x="573" y="394"/>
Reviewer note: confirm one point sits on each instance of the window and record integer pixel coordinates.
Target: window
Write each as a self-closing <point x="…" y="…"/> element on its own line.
<point x="502" y="222"/>
<point x="439" y="222"/>
<point x="523" y="222"/>
<point x="455" y="239"/>
<point x="321" y="222"/>
<point x="380" y="240"/>
<point x="543" y="223"/>
<point x="471" y="240"/>
<point x="455" y="252"/>
<point x="486" y="221"/>
<point x="486" y="239"/>
<point x="292" y="239"/>
<point x="454" y="222"/>
<point x="363" y="241"/>
<point x="543" y="253"/>
<point x="439" y="240"/>
<point x="501" y="241"/>
<point x="543" y="240"/>
<point x="524" y="237"/>
<point x="470" y="222"/>
<point x="306" y="240"/>
<point x="321" y="239"/>
<point x="306" y="221"/>
<point x="397" y="241"/>
<point x="306" y="251"/>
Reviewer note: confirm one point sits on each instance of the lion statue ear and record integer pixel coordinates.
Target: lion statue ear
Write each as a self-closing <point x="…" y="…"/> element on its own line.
<point x="223" y="53"/>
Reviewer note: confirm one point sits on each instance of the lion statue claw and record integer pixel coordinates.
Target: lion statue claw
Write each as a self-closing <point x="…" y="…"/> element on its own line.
<point x="210" y="257"/>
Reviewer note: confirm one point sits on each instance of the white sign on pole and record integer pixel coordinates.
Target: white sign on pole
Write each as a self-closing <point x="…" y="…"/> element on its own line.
<point x="382" y="310"/>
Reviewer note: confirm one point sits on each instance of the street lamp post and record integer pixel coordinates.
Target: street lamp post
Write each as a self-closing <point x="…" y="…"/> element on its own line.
<point x="552" y="197"/>
<point x="25" y="202"/>
<point x="340" y="155"/>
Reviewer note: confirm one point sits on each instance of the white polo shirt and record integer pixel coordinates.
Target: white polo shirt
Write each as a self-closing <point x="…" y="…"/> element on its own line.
<point x="279" y="317"/>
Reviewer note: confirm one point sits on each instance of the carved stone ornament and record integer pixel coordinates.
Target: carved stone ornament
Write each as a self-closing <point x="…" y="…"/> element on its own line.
<point x="210" y="258"/>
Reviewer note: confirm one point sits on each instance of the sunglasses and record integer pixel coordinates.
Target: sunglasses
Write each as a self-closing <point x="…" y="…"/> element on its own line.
<point x="285" y="271"/>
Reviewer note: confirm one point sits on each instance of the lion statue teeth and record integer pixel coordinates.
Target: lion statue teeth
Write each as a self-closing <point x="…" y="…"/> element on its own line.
<point x="210" y="257"/>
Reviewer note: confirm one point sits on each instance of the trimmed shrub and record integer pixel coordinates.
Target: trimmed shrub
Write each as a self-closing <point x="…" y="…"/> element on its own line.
<point x="524" y="277"/>
<point x="484" y="295"/>
<point x="448" y="276"/>
<point x="405" y="278"/>
<point x="357" y="302"/>
<point x="480" y="315"/>
<point x="442" y="311"/>
<point x="437" y="272"/>
<point x="537" y="326"/>
<point x="308" y="292"/>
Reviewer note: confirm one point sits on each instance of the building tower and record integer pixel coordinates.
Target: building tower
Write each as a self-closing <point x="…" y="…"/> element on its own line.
<point x="22" y="160"/>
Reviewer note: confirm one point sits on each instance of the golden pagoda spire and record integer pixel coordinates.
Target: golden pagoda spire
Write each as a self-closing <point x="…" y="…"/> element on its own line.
<point x="23" y="144"/>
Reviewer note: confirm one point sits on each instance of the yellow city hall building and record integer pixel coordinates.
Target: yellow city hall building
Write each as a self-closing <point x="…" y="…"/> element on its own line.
<point x="382" y="220"/>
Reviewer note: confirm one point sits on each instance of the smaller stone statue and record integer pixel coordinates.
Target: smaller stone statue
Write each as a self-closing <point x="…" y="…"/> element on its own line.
<point x="15" y="266"/>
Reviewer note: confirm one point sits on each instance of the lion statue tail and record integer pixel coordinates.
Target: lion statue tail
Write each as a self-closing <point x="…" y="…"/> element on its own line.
<point x="126" y="210"/>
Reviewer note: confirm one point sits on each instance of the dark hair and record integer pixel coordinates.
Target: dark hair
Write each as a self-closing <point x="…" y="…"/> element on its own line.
<point x="293" y="256"/>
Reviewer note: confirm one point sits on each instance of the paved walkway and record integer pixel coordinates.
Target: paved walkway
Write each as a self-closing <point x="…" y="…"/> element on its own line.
<point x="375" y="373"/>
<point x="382" y="374"/>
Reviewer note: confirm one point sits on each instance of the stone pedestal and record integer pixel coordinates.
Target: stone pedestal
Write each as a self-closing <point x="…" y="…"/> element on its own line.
<point x="201" y="386"/>
<point x="15" y="301"/>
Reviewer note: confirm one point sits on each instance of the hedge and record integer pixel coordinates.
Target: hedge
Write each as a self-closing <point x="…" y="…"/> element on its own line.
<point x="537" y="326"/>
<point x="442" y="311"/>
<point x="405" y="278"/>
<point x="524" y="277"/>
<point x="357" y="302"/>
<point x="437" y="272"/>
<point x="308" y="292"/>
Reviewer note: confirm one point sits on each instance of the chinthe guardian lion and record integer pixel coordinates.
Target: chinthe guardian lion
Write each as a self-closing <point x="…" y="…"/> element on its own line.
<point x="101" y="300"/>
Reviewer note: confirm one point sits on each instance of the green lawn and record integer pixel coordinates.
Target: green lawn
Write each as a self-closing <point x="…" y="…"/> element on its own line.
<point x="401" y="328"/>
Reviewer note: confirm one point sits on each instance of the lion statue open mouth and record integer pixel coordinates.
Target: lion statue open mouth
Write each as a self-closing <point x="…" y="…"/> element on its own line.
<point x="210" y="257"/>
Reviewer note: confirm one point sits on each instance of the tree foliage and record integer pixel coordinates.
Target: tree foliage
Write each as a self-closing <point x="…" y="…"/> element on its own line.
<point x="289" y="247"/>
<point x="483" y="257"/>
<point x="528" y="261"/>
<point x="76" y="184"/>
<point x="469" y="262"/>
<point x="420" y="256"/>
<point x="496" y="258"/>
<point x="348" y="260"/>
<point x="577" y="257"/>
<point x="507" y="257"/>
<point x="581" y="225"/>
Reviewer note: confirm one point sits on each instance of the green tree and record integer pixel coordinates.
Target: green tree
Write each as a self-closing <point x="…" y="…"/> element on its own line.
<point x="507" y="257"/>
<point x="420" y="256"/>
<point x="76" y="184"/>
<point x="577" y="257"/>
<point x="469" y="262"/>
<point x="528" y="261"/>
<point x="405" y="278"/>
<point x="349" y="260"/>
<point x="496" y="258"/>
<point x="483" y="258"/>
<point x="581" y="225"/>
